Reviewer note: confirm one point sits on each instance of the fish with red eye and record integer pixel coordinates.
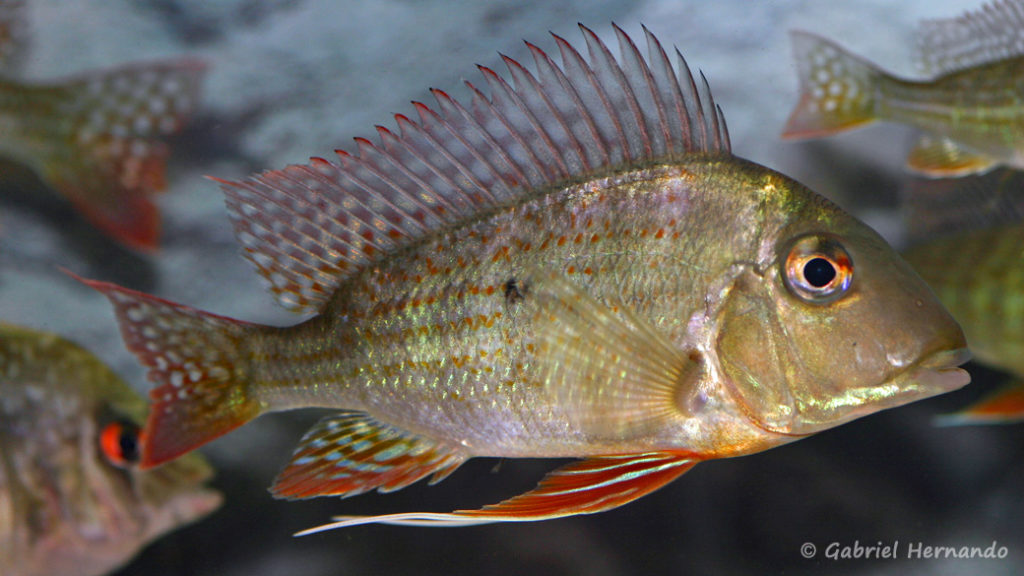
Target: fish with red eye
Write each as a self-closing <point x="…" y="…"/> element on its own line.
<point x="70" y="439"/>
<point x="119" y="443"/>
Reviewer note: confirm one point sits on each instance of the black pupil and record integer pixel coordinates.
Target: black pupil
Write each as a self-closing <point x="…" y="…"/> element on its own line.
<point x="819" y="272"/>
<point x="129" y="442"/>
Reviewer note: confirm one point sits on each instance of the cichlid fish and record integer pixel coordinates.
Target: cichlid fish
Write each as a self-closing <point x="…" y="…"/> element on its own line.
<point x="971" y="106"/>
<point x="95" y="138"/>
<point x="572" y="266"/>
<point x="970" y="239"/>
<point x="72" y="499"/>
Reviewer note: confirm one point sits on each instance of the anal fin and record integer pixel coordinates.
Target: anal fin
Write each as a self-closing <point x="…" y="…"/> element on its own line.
<point x="352" y="453"/>
<point x="943" y="158"/>
<point x="583" y="487"/>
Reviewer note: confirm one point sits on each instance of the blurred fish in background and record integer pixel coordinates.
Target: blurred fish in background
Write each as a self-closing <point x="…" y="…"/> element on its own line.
<point x="971" y="107"/>
<point x="95" y="137"/>
<point x="573" y="266"/>
<point x="968" y="239"/>
<point x="73" y="501"/>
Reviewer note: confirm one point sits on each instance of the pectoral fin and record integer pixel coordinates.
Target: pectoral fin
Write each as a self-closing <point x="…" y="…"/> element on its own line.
<point x="616" y="375"/>
<point x="583" y="487"/>
<point x="1005" y="406"/>
<point x="942" y="158"/>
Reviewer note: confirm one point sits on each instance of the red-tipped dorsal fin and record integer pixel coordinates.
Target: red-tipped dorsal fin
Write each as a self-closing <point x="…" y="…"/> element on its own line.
<point x="1005" y="406"/>
<point x="980" y="36"/>
<point x="106" y="128"/>
<point x="583" y="487"/>
<point x="195" y="359"/>
<point x="352" y="453"/>
<point x="307" y="228"/>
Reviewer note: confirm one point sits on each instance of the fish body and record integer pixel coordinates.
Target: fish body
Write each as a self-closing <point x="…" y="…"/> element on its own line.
<point x="971" y="108"/>
<point x="72" y="499"/>
<point x="96" y="138"/>
<point x="574" y="266"/>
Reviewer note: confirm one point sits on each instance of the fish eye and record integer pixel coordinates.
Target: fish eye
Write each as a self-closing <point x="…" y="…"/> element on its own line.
<point x="119" y="442"/>
<point x="818" y="269"/>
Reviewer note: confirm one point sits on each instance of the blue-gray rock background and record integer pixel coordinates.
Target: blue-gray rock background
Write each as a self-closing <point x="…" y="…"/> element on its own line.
<point x="289" y="80"/>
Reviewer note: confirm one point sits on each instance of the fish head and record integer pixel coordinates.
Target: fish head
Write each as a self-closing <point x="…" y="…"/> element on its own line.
<point x="830" y="323"/>
<point x="69" y="436"/>
<point x="129" y="506"/>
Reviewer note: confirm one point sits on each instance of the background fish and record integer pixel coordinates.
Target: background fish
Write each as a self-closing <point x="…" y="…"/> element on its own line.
<point x="972" y="107"/>
<point x="96" y="137"/>
<point x="572" y="266"/>
<point x="970" y="249"/>
<point x="72" y="499"/>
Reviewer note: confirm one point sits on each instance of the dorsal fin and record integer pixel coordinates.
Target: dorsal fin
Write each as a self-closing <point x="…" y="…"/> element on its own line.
<point x="993" y="32"/>
<point x="308" y="227"/>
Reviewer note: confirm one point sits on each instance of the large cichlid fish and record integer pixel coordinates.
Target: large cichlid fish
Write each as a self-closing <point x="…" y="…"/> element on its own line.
<point x="970" y="242"/>
<point x="572" y="266"/>
<point x="73" y="500"/>
<point x="96" y="138"/>
<point x="971" y="106"/>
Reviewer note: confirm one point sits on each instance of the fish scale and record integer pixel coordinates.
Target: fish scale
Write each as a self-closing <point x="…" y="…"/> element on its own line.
<point x="438" y="326"/>
<point x="573" y="264"/>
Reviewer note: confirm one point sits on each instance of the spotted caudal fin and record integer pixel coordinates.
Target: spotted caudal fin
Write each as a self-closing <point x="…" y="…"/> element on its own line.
<point x="352" y="453"/>
<point x="1005" y="406"/>
<point x="584" y="487"/>
<point x="101" y="145"/>
<point x="837" y="89"/>
<point x="196" y="360"/>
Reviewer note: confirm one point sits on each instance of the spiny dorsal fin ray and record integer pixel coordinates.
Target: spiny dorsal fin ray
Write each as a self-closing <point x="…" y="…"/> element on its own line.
<point x="583" y="487"/>
<point x="351" y="453"/>
<point x="306" y="228"/>
<point x="993" y="32"/>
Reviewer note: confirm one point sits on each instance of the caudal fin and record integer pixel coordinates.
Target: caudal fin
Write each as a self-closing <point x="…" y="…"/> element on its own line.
<point x="197" y="362"/>
<point x="837" y="89"/>
<point x="104" y="141"/>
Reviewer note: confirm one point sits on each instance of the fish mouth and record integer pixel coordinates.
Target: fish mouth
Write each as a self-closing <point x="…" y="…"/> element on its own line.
<point x="940" y="372"/>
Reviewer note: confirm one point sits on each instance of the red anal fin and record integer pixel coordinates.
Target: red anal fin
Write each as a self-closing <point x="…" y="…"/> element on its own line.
<point x="1004" y="406"/>
<point x="352" y="453"/>
<point x="584" y="487"/>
